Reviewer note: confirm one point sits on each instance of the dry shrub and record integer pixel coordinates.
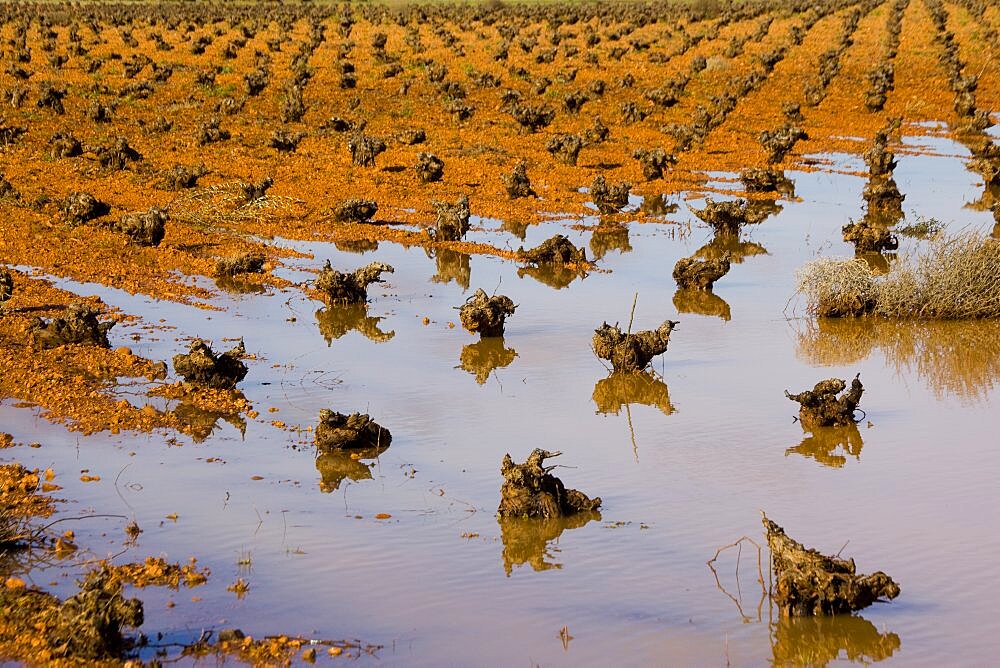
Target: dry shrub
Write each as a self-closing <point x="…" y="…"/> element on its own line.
<point x="230" y="204"/>
<point x="836" y="287"/>
<point x="953" y="277"/>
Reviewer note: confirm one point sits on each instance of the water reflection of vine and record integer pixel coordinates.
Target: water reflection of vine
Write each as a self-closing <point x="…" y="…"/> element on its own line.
<point x="202" y="423"/>
<point x="765" y="206"/>
<point x="485" y="356"/>
<point x="621" y="390"/>
<point x="451" y="266"/>
<point x="533" y="541"/>
<point x="817" y="641"/>
<point x="242" y="286"/>
<point x="823" y="443"/>
<point x="556" y="276"/>
<point x="987" y="200"/>
<point x="337" y="321"/>
<point x="608" y="237"/>
<point x="702" y="302"/>
<point x="336" y="466"/>
<point x="356" y="245"/>
<point x="516" y="227"/>
<point x="657" y="205"/>
<point x="722" y="245"/>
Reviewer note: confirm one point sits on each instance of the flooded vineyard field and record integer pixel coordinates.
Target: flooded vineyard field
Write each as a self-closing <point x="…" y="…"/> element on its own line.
<point x="179" y="174"/>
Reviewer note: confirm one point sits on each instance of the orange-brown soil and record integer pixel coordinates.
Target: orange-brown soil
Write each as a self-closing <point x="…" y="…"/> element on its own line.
<point x="394" y="93"/>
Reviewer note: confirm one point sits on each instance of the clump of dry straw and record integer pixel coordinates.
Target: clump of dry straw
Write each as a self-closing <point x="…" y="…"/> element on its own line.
<point x="956" y="276"/>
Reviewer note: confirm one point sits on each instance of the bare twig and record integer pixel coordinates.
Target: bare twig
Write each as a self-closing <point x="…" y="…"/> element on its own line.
<point x="632" y="315"/>
<point x="118" y="491"/>
<point x="760" y="575"/>
<point x="631" y="431"/>
<point x="44" y="528"/>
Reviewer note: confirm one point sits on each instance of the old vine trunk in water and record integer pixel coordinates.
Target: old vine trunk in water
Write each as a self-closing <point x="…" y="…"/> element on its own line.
<point x="631" y="352"/>
<point x="810" y="583"/>
<point x="529" y="490"/>
<point x="820" y="407"/>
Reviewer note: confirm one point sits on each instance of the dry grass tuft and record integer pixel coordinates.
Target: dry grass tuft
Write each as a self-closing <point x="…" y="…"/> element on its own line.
<point x="836" y="287"/>
<point x="228" y="204"/>
<point x="954" y="277"/>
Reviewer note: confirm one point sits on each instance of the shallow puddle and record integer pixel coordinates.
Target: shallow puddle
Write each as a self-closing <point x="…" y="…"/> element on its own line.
<point x="402" y="548"/>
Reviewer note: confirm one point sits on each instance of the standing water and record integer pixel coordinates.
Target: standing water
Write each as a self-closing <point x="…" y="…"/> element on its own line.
<point x="402" y="548"/>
